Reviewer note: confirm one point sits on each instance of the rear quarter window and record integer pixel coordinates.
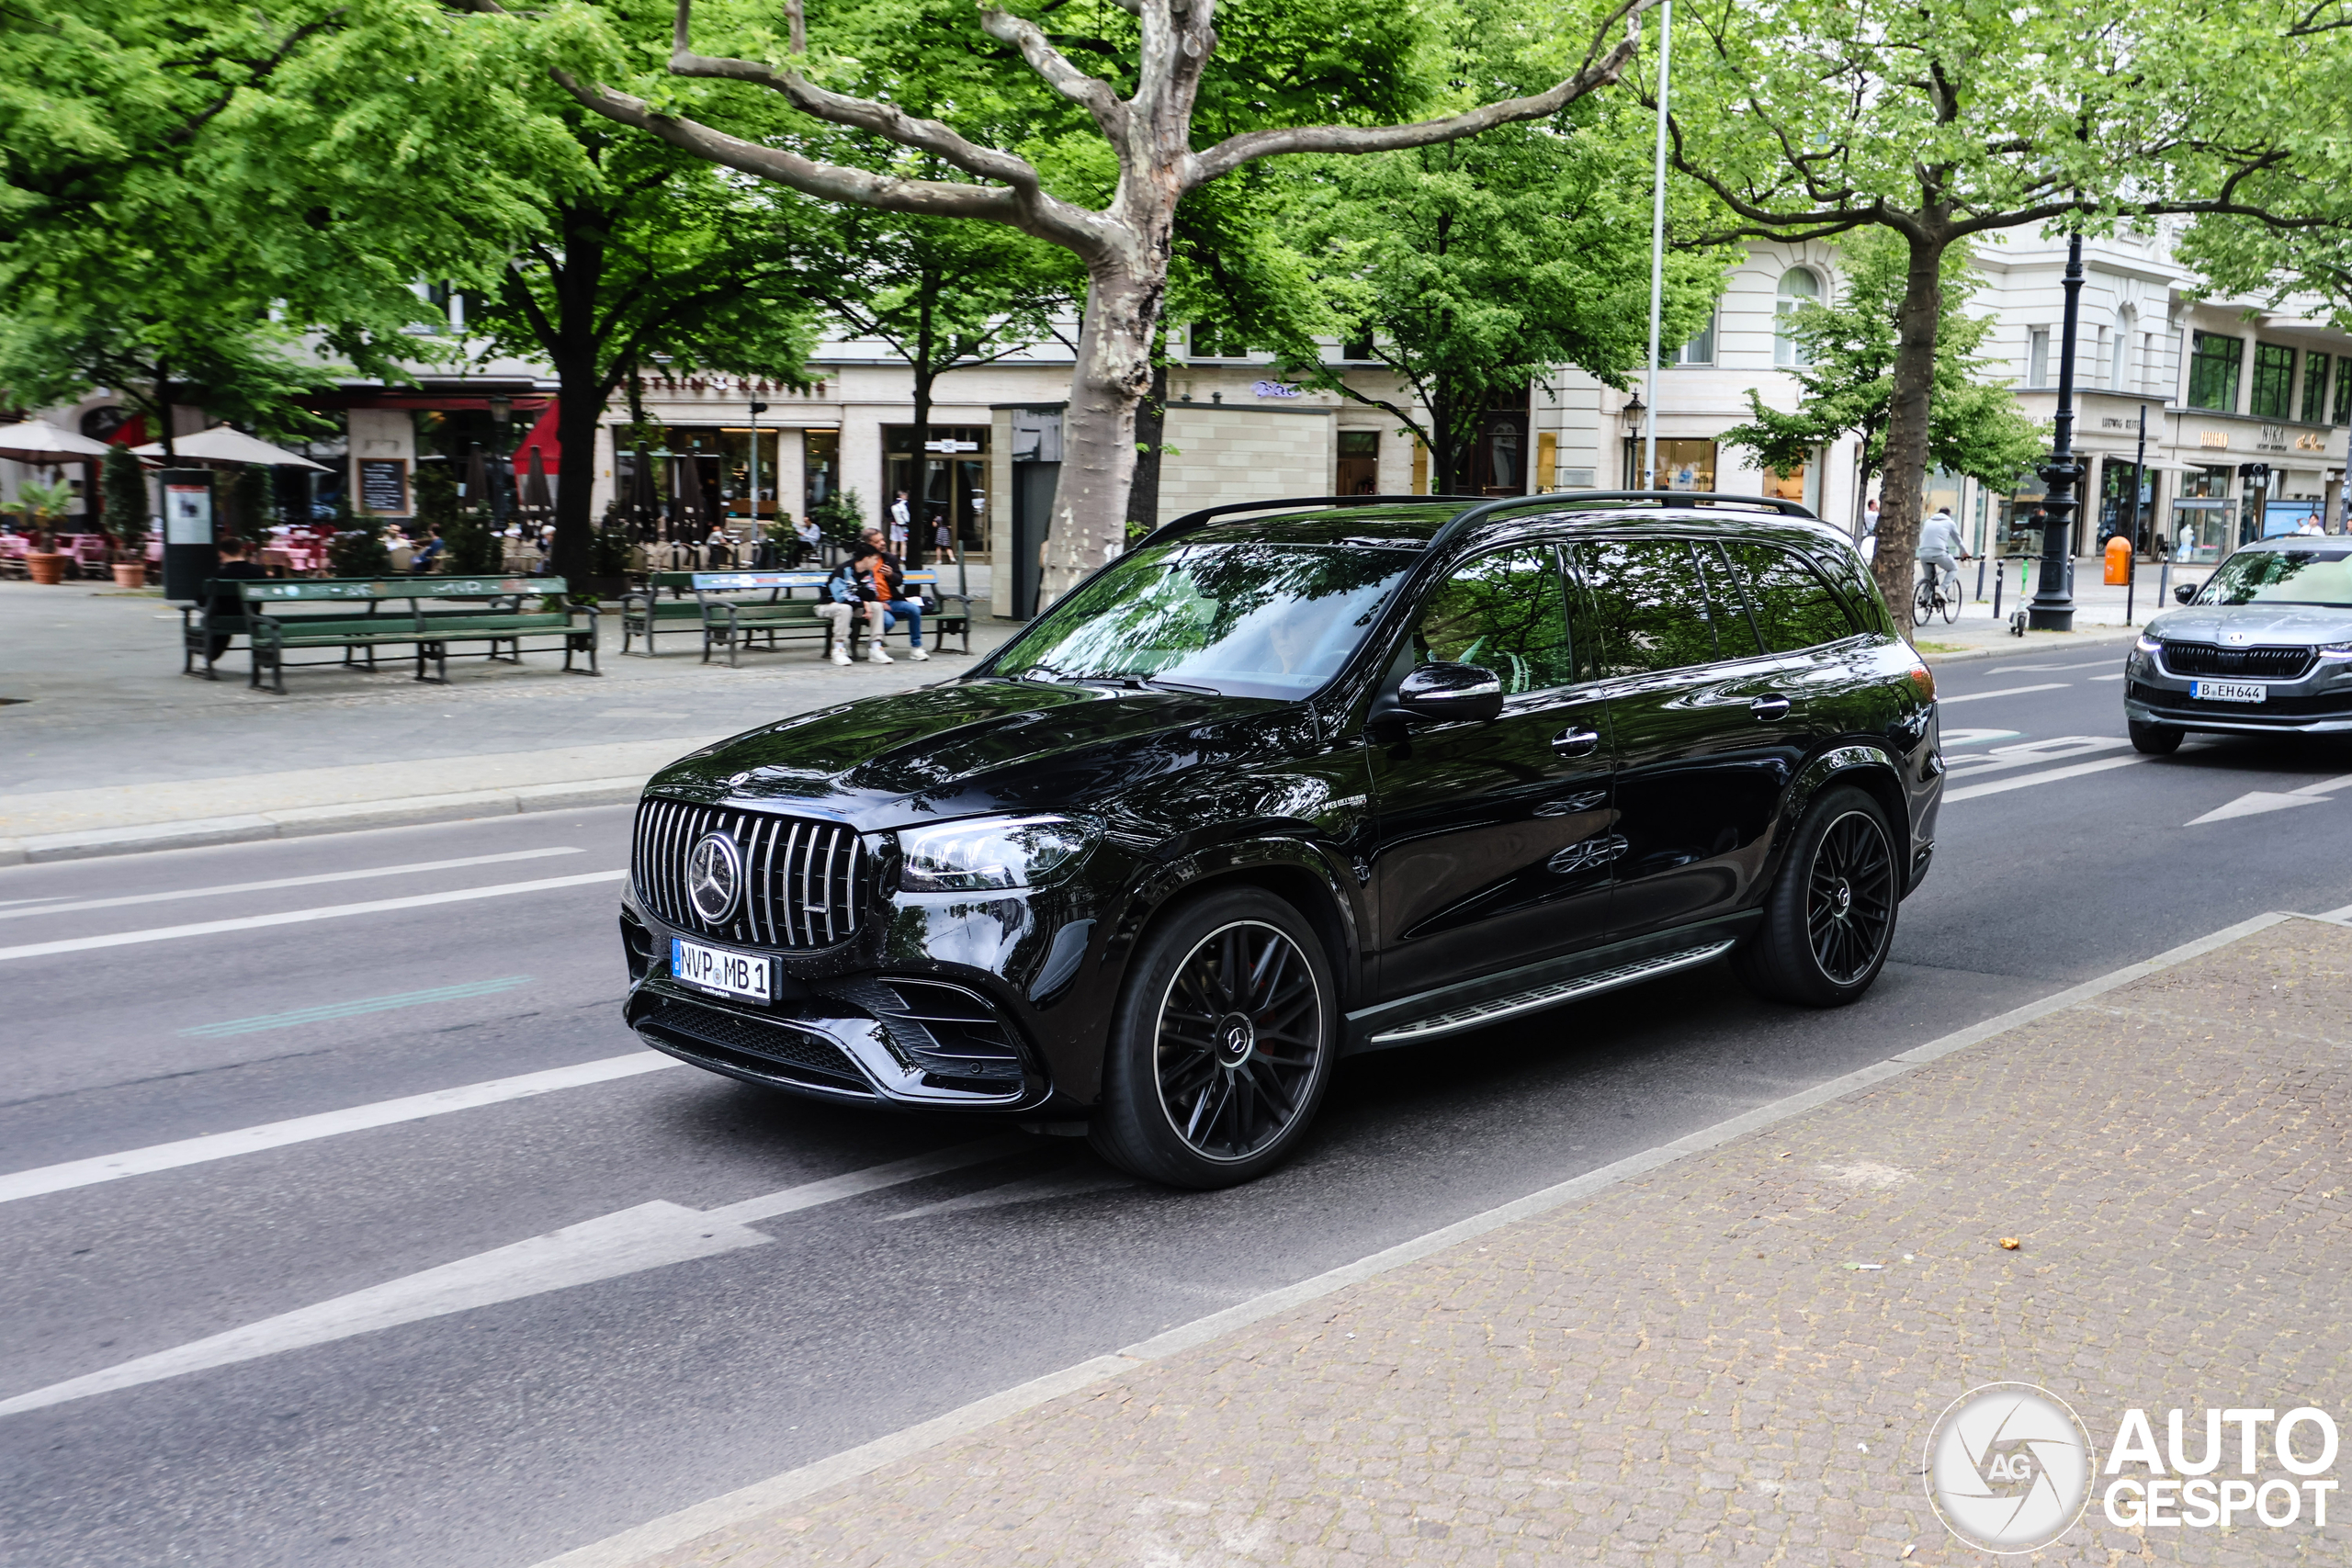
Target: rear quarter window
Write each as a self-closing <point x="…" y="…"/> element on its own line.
<point x="1795" y="608"/>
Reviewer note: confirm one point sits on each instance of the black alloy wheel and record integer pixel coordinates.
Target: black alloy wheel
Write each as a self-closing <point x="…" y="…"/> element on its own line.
<point x="1828" y="923"/>
<point x="1222" y="1046"/>
<point x="1849" y="898"/>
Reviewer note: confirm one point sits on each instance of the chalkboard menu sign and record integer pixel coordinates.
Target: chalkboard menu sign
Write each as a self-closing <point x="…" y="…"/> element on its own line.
<point x="383" y="486"/>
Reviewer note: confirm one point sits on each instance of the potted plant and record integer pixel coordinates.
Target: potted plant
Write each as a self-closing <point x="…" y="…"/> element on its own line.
<point x="125" y="518"/>
<point x="42" y="504"/>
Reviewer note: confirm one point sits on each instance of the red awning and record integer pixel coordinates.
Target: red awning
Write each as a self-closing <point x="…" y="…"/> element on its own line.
<point x="543" y="438"/>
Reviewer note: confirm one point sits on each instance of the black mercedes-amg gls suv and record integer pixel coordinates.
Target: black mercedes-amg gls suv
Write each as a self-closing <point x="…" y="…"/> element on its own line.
<point x="1295" y="780"/>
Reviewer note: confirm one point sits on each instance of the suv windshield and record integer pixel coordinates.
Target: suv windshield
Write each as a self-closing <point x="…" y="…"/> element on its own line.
<point x="1244" y="619"/>
<point x="2282" y="576"/>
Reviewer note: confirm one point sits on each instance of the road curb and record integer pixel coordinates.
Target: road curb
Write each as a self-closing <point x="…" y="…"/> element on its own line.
<point x="305" y="821"/>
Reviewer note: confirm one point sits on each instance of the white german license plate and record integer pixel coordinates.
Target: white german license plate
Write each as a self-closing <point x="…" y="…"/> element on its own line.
<point x="716" y="969"/>
<point x="2228" y="691"/>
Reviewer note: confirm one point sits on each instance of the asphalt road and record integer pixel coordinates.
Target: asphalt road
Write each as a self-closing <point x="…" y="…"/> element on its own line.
<point x="498" y="1411"/>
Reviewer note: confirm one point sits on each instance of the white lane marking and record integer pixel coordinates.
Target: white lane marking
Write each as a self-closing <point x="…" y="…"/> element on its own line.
<point x="2255" y="803"/>
<point x="2004" y="692"/>
<point x="325" y="1124"/>
<point x="2046" y="669"/>
<point x="666" y="1534"/>
<point x="650" y="1236"/>
<point x="222" y="892"/>
<point x="1028" y="1190"/>
<point x="2024" y="754"/>
<point x="12" y="903"/>
<point x="298" y="916"/>
<point x="1973" y="737"/>
<point x="2000" y="786"/>
<point x="2118" y="675"/>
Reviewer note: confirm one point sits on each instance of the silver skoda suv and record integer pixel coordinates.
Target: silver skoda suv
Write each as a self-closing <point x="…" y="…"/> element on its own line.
<point x="2264" y="646"/>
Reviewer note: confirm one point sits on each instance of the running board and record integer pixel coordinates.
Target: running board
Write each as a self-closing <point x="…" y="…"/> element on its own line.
<point x="1481" y="1013"/>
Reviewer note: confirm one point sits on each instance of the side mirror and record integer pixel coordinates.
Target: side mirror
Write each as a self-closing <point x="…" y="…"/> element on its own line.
<point x="2184" y="593"/>
<point x="1450" y="692"/>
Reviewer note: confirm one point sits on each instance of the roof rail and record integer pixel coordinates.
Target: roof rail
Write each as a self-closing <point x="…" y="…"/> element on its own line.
<point x="1481" y="507"/>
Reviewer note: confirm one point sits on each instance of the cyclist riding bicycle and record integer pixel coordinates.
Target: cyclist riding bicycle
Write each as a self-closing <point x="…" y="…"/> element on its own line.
<point x="1939" y="541"/>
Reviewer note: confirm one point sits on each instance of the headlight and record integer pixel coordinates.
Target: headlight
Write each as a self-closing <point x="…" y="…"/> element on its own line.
<point x="2335" y="650"/>
<point x="988" y="852"/>
<point x="2146" y="645"/>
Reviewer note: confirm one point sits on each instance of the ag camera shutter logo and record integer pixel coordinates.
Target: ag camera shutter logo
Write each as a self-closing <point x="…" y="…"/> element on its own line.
<point x="2008" y="1467"/>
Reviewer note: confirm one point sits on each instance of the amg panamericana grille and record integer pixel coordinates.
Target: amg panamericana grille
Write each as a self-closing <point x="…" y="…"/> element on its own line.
<point x="805" y="880"/>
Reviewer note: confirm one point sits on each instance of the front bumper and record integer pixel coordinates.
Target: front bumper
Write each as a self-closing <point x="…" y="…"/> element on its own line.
<point x="2288" y="711"/>
<point x="886" y="1020"/>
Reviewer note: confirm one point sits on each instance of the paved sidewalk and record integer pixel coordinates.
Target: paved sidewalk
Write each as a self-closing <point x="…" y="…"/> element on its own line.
<point x="1737" y="1358"/>
<point x="105" y="747"/>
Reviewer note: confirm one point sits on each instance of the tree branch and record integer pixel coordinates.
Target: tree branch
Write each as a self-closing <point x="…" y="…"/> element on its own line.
<point x="1229" y="154"/>
<point x="1090" y="93"/>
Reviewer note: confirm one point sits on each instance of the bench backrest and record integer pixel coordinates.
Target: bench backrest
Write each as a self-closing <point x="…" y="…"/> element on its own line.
<point x="264" y="591"/>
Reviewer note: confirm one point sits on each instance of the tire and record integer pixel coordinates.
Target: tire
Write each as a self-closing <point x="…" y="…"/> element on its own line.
<point x="1192" y="1095"/>
<point x="1952" y="603"/>
<point x="1923" y="605"/>
<point x="2153" y="739"/>
<point x="1828" y="922"/>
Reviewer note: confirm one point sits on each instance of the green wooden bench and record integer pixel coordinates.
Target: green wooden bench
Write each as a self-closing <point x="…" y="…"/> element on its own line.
<point x="201" y="623"/>
<point x="734" y="610"/>
<point x="426" y="614"/>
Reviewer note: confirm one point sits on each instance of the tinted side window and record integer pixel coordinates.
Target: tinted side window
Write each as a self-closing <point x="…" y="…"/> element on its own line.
<point x="1794" y="609"/>
<point x="1649" y="603"/>
<point x="1506" y="611"/>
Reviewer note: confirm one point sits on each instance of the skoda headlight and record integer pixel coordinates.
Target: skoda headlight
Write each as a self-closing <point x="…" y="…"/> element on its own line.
<point x="2146" y="644"/>
<point x="987" y="852"/>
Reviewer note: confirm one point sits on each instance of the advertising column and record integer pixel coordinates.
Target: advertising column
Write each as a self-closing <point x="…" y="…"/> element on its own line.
<point x="188" y="557"/>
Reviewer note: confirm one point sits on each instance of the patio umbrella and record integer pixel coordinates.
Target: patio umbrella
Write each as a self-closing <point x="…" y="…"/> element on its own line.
<point x="535" y="487"/>
<point x="685" y="485"/>
<point x="224" y="445"/>
<point x="477" y="481"/>
<point x="641" y="504"/>
<point x="37" y="440"/>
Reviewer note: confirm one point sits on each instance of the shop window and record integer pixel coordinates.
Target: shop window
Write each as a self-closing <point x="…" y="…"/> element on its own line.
<point x="1799" y="287"/>
<point x="2213" y="360"/>
<point x="2315" y="389"/>
<point x="1212" y="340"/>
<point x="1791" y="486"/>
<point x="1681" y="464"/>
<point x="1700" y="350"/>
<point x="2037" y="357"/>
<point x="2343" y="390"/>
<point x="2274" y="380"/>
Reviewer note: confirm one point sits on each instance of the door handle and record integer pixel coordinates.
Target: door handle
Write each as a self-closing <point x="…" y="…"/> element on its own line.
<point x="1575" y="742"/>
<point x="1770" y="709"/>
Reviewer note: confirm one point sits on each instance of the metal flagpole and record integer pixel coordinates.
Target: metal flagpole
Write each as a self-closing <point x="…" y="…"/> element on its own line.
<point x="1657" y="247"/>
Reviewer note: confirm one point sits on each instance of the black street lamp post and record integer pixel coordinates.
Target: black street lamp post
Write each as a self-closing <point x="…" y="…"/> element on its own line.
<point x="2052" y="608"/>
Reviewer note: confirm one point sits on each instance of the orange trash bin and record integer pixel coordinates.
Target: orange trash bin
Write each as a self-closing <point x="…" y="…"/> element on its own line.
<point x="2118" y="561"/>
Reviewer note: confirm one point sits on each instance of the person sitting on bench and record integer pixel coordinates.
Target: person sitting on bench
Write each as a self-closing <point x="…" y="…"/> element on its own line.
<point x="225" y="607"/>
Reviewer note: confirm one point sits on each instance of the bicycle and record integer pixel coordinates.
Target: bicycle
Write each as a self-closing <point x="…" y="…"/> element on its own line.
<point x="1936" y="593"/>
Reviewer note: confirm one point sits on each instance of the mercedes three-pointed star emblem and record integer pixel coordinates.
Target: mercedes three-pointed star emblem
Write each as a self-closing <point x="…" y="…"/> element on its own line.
<point x="715" y="877"/>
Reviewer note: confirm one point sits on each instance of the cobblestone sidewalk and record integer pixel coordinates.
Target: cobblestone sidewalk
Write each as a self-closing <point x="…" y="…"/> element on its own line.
<point x="1737" y="1358"/>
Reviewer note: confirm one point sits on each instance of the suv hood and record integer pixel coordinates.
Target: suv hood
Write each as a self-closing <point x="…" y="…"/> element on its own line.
<point x="2252" y="626"/>
<point x="966" y="747"/>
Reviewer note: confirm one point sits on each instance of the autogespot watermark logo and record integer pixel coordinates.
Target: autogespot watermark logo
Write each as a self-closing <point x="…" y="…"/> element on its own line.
<point x="2010" y="1468"/>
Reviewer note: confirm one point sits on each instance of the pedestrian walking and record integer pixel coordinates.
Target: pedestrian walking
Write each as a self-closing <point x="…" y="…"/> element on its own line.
<point x="901" y="518"/>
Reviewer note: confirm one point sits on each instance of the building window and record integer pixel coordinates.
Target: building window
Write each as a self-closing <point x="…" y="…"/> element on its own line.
<point x="1359" y="471"/>
<point x="1210" y="339"/>
<point x="2315" y="389"/>
<point x="1700" y="350"/>
<point x="1357" y="347"/>
<point x="2118" y="363"/>
<point x="2213" y="361"/>
<point x="2344" y="390"/>
<point x="2100" y="369"/>
<point x="1799" y="287"/>
<point x="2147" y="360"/>
<point x="2037" y="357"/>
<point x="2274" y="380"/>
